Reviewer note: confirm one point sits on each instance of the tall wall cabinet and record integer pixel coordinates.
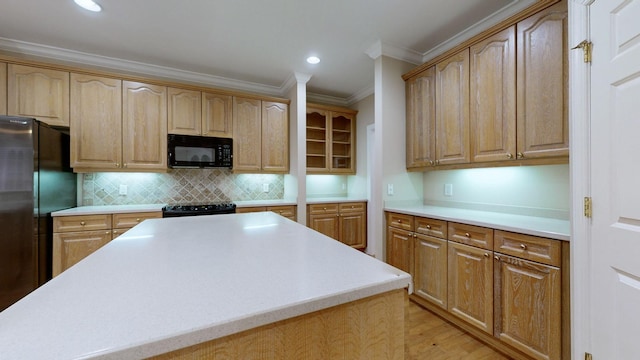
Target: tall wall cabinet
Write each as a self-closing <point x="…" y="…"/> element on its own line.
<point x="331" y="134"/>
<point x="501" y="99"/>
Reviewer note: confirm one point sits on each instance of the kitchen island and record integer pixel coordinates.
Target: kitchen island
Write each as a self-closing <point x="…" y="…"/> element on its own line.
<point x="250" y="285"/>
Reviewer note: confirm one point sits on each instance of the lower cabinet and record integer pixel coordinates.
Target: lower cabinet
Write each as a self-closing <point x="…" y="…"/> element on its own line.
<point x="288" y="211"/>
<point x="507" y="289"/>
<point x="76" y="237"/>
<point x="345" y="222"/>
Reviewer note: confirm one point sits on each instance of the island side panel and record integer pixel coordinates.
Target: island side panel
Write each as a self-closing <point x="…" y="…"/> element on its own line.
<point x="370" y="328"/>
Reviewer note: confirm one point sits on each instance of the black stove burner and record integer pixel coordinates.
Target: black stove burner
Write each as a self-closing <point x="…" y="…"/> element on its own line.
<point x="193" y="210"/>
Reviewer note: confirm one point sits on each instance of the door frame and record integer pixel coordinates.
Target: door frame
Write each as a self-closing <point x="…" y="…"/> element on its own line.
<point x="580" y="168"/>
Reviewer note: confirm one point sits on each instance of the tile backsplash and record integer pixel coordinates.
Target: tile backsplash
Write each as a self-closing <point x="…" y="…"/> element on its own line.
<point x="179" y="186"/>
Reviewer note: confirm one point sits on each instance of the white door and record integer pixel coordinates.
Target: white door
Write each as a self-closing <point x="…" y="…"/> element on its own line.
<point x="615" y="178"/>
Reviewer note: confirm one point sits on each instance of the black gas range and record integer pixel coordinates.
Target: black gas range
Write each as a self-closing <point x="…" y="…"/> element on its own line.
<point x="202" y="209"/>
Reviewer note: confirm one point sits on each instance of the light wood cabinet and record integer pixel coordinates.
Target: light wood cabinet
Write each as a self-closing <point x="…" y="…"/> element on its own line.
<point x="3" y="88"/>
<point x="288" y="211"/>
<point x="76" y="237"/>
<point x="399" y="249"/>
<point x="345" y="222"/>
<point x="216" y="115"/>
<point x="528" y="295"/>
<point x="184" y="112"/>
<point x="96" y="122"/>
<point x="452" y="109"/>
<point x="430" y="267"/>
<point x="331" y="134"/>
<point x="144" y="125"/>
<point x="39" y="93"/>
<point x="263" y="143"/>
<point x="542" y="86"/>
<point x="493" y="97"/>
<point x="421" y="119"/>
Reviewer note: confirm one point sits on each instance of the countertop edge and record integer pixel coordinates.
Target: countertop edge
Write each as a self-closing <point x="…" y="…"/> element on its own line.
<point x="108" y="209"/>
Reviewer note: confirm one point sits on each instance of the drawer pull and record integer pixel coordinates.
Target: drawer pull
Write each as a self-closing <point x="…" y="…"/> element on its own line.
<point x="83" y="223"/>
<point x="324" y="208"/>
<point x="415" y="235"/>
<point x="467" y="235"/>
<point x="399" y="221"/>
<point x="523" y="246"/>
<point x="429" y="227"/>
<point x="137" y="219"/>
<point x="108" y="232"/>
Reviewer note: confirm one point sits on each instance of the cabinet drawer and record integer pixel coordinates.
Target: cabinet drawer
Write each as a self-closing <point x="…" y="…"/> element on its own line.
<point x="431" y="227"/>
<point x="81" y="223"/>
<point x="286" y="211"/>
<point x="129" y="220"/>
<point x="543" y="250"/>
<point x="400" y="221"/>
<point x="352" y="207"/>
<point x="243" y="210"/>
<point x="471" y="235"/>
<point x="323" y="209"/>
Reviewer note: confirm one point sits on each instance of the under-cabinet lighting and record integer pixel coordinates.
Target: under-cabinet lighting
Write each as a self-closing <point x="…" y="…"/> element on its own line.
<point x="89" y="5"/>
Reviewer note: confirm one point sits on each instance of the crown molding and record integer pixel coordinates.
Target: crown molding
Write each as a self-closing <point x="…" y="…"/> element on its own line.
<point x="512" y="9"/>
<point x="378" y="48"/>
<point x="326" y="99"/>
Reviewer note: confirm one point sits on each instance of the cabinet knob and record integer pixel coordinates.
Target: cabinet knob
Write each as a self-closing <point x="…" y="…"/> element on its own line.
<point x="415" y="235"/>
<point x="431" y="162"/>
<point x="399" y="221"/>
<point x="467" y="235"/>
<point x="337" y="214"/>
<point x="429" y="227"/>
<point x="509" y="156"/>
<point x="523" y="246"/>
<point x="486" y="255"/>
<point x="520" y="155"/>
<point x="108" y="232"/>
<point x="324" y="208"/>
<point x="83" y="223"/>
<point x="496" y="257"/>
<point x="124" y="165"/>
<point x="117" y="165"/>
<point x="137" y="219"/>
<point x="437" y="162"/>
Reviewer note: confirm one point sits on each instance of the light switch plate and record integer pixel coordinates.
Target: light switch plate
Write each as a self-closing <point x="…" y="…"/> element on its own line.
<point x="265" y="187"/>
<point x="389" y="189"/>
<point x="123" y="190"/>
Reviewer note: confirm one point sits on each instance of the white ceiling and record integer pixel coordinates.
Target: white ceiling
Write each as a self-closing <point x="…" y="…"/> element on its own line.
<point x="247" y="44"/>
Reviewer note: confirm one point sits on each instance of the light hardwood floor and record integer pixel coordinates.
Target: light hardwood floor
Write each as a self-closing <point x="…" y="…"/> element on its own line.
<point x="428" y="337"/>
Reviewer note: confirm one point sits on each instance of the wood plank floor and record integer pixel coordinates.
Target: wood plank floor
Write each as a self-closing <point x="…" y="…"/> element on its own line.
<point x="428" y="337"/>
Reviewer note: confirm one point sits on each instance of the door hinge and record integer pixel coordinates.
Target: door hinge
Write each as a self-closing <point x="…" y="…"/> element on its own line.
<point x="587" y="207"/>
<point x="588" y="356"/>
<point x="586" y="47"/>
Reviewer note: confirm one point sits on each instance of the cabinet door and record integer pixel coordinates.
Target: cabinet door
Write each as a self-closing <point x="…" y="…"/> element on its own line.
<point x="327" y="224"/>
<point x="275" y="137"/>
<point x="493" y="97"/>
<point x="39" y="93"/>
<point x="317" y="141"/>
<point x="430" y="269"/>
<point x="96" y="122"/>
<point x="144" y="126"/>
<point x="399" y="249"/>
<point x="71" y="247"/>
<point x="470" y="292"/>
<point x="184" y="113"/>
<point x="421" y="119"/>
<point x="528" y="306"/>
<point x="353" y="225"/>
<point x="343" y="145"/>
<point x="247" y="139"/>
<point x="216" y="115"/>
<point x="3" y="88"/>
<point x="452" y="109"/>
<point x="542" y="86"/>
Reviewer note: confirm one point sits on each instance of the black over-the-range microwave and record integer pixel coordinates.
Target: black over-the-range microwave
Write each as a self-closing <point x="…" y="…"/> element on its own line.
<point x="189" y="151"/>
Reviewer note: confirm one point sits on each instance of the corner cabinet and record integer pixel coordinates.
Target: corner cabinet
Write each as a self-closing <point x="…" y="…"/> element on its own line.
<point x="3" y="88"/>
<point x="331" y="134"/>
<point x="508" y="289"/>
<point x="261" y="144"/>
<point x="39" y="93"/>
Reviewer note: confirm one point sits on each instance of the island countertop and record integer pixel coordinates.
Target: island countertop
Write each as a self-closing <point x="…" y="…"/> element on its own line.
<point x="174" y="282"/>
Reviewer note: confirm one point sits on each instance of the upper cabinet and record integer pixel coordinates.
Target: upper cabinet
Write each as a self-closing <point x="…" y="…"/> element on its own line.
<point x="421" y="119"/>
<point x="39" y="93"/>
<point x="493" y="98"/>
<point x="543" y="125"/>
<point x="184" y="112"/>
<point x="117" y="125"/>
<point x="452" y="109"/>
<point x="331" y="147"/>
<point x="216" y="115"/>
<point x="500" y="101"/>
<point x="261" y="144"/>
<point x="3" y="88"/>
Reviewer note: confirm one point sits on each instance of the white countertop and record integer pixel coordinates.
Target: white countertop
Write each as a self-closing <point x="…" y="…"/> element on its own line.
<point x="108" y="209"/>
<point x="275" y="202"/>
<point x="340" y="199"/>
<point x="532" y="225"/>
<point x="174" y="282"/>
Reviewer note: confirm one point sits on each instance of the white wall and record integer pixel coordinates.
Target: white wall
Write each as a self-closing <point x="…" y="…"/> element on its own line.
<point x="542" y="190"/>
<point x="358" y="184"/>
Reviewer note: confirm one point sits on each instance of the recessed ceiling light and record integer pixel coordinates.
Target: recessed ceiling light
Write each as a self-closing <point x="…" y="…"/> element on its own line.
<point x="313" y="59"/>
<point x="89" y="5"/>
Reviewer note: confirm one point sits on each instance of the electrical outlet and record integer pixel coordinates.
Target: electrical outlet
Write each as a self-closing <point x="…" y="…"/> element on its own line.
<point x="265" y="187"/>
<point x="123" y="190"/>
<point x="448" y="189"/>
<point x="389" y="189"/>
